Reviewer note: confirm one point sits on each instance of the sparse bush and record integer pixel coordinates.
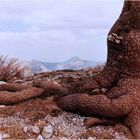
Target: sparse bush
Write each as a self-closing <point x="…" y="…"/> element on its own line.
<point x="10" y="69"/>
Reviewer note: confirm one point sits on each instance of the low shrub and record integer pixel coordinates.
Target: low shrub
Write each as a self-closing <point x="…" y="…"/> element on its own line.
<point x="10" y="69"/>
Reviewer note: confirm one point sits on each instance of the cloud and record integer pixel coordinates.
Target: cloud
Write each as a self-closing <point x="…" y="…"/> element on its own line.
<point x="60" y="13"/>
<point x="56" y="29"/>
<point x="52" y="45"/>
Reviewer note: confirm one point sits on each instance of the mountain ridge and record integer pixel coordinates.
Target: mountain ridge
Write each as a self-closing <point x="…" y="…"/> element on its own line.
<point x="74" y="63"/>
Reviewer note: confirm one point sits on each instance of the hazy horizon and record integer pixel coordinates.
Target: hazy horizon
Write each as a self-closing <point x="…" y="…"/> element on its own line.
<point x="56" y="30"/>
<point x="68" y="59"/>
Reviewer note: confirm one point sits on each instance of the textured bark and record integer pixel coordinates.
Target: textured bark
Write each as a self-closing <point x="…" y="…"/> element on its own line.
<point x="8" y="98"/>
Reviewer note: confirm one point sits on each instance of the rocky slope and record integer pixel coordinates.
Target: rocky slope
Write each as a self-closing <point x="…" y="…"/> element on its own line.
<point x="40" y="118"/>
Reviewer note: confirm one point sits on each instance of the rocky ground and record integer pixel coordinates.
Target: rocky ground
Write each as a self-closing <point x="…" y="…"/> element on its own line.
<point x="40" y="118"/>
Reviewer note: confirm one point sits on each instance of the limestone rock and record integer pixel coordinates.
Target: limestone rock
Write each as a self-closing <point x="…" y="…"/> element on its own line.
<point x="5" y="136"/>
<point x="25" y="129"/>
<point x="36" y="129"/>
<point x="2" y="82"/>
<point x="0" y="136"/>
<point x="47" y="131"/>
<point x="39" y="138"/>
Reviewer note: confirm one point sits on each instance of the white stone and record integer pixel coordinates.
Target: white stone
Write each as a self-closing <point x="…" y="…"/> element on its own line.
<point x="25" y="129"/>
<point x="39" y="138"/>
<point x="103" y="90"/>
<point x="91" y="138"/>
<point x="18" y="81"/>
<point x="35" y="129"/>
<point x="5" y="136"/>
<point x="64" y="138"/>
<point x="47" y="131"/>
<point x="0" y="136"/>
<point x="2" y="82"/>
<point x="2" y="106"/>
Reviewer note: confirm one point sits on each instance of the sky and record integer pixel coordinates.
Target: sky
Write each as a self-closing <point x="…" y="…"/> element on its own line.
<point x="56" y="30"/>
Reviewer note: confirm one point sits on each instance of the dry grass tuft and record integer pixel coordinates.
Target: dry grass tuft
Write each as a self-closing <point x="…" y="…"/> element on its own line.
<point x="10" y="69"/>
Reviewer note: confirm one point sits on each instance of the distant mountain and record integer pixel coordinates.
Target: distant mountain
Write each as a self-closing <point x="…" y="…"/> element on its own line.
<point x="74" y="63"/>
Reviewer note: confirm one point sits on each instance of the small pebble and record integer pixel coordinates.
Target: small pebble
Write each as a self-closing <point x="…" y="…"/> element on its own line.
<point x="0" y="136"/>
<point x="64" y="138"/>
<point x="47" y="131"/>
<point x="91" y="138"/>
<point x="2" y="106"/>
<point x="18" y="81"/>
<point x="39" y="138"/>
<point x="5" y="136"/>
<point x="25" y="129"/>
<point x="2" y="82"/>
<point x="36" y="129"/>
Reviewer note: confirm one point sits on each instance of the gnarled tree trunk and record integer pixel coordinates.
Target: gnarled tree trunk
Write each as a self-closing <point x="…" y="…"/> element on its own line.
<point x="121" y="75"/>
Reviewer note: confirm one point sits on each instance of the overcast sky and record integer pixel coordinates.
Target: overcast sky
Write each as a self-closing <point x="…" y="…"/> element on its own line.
<point x="56" y="30"/>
